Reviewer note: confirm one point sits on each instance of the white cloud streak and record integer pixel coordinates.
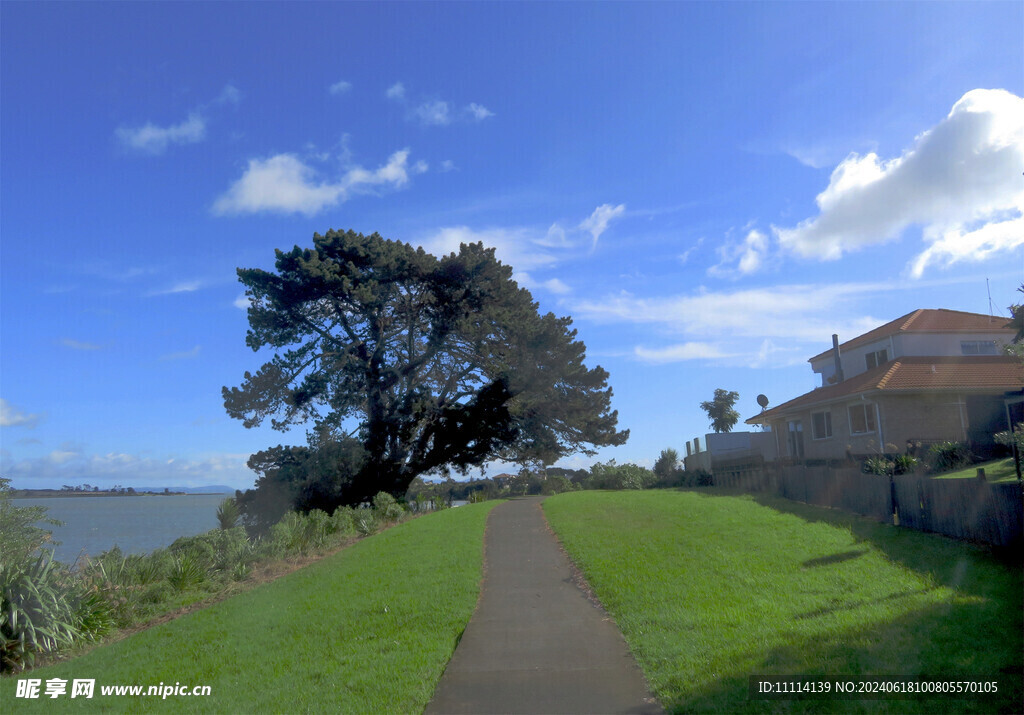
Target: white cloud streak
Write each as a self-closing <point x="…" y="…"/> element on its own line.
<point x="597" y="223"/>
<point x="525" y="248"/>
<point x="679" y="353"/>
<point x="284" y="184"/>
<point x="153" y="139"/>
<point x="340" y="87"/>
<point x="78" y="345"/>
<point x="11" y="416"/>
<point x="74" y="466"/>
<point x="396" y="92"/>
<point x="184" y="355"/>
<point x="960" y="181"/>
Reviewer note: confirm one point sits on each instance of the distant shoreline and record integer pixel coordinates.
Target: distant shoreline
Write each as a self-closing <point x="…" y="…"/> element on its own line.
<point x="59" y="494"/>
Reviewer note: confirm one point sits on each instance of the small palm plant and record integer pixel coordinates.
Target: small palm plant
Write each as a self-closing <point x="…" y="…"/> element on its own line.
<point x="228" y="513"/>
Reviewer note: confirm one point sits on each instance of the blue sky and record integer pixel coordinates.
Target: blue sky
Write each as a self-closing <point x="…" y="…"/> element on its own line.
<point x="709" y="189"/>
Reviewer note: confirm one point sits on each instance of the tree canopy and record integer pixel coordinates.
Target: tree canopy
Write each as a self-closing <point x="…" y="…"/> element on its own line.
<point x="421" y="364"/>
<point x="720" y="410"/>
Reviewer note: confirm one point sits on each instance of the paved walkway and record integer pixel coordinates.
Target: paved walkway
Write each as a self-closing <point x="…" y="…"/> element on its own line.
<point x="535" y="644"/>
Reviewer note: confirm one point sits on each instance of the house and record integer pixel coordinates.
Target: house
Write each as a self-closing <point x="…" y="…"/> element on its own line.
<point x="926" y="377"/>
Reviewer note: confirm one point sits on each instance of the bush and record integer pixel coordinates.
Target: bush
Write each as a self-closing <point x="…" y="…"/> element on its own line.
<point x="620" y="476"/>
<point x="948" y="456"/>
<point x="386" y="508"/>
<point x="877" y="465"/>
<point x="342" y="521"/>
<point x="366" y="522"/>
<point x="187" y="572"/>
<point x="228" y="513"/>
<point x="904" y="464"/>
<point x="37" y="609"/>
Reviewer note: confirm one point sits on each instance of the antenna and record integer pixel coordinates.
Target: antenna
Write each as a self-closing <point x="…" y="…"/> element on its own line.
<point x="990" y="313"/>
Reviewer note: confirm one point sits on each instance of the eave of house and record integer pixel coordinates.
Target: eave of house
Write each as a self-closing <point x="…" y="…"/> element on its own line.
<point x="912" y="375"/>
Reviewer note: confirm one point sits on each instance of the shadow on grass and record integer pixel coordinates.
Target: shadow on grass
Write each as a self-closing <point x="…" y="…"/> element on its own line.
<point x="833" y="558"/>
<point x="975" y="570"/>
<point x="934" y="643"/>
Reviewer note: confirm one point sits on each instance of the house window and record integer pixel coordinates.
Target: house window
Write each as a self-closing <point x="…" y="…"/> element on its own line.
<point x="796" y="439"/>
<point x="821" y="425"/>
<point x="862" y="418"/>
<point x="877" y="358"/>
<point x="978" y="347"/>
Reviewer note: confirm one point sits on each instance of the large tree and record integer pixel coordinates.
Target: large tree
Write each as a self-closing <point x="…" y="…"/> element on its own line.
<point x="429" y="363"/>
<point x="720" y="410"/>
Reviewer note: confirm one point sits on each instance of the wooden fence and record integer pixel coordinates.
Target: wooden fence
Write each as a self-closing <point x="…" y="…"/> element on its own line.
<point x="971" y="509"/>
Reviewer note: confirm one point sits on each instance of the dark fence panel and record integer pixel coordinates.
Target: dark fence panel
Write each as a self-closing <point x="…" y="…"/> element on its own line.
<point x="969" y="509"/>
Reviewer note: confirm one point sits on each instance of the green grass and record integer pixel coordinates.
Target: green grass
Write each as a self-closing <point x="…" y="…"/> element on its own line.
<point x="709" y="589"/>
<point x="999" y="470"/>
<point x="369" y="629"/>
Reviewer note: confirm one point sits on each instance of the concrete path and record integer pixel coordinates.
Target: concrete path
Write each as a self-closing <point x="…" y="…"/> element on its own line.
<point x="535" y="643"/>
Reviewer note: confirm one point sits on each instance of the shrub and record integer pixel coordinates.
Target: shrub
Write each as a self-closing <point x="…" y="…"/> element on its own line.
<point x="37" y="608"/>
<point x="186" y="572"/>
<point x="342" y="521"/>
<point x="556" y="484"/>
<point x="366" y="522"/>
<point x="947" y="456"/>
<point x="877" y="465"/>
<point x="228" y="513"/>
<point x="386" y="508"/>
<point x="620" y="476"/>
<point x="904" y="464"/>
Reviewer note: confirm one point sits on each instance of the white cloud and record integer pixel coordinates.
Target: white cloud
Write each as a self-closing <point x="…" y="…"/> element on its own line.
<point x="78" y="345"/>
<point x="396" y="91"/>
<point x="283" y="183"/>
<point x="516" y="247"/>
<point x="525" y="248"/>
<point x="434" y="113"/>
<point x="553" y="285"/>
<point x="960" y="181"/>
<point x="340" y="87"/>
<point x="229" y="95"/>
<point x="479" y="112"/>
<point x="184" y="355"/>
<point x="181" y="287"/>
<point x="748" y="255"/>
<point x="446" y="166"/>
<point x="957" y="244"/>
<point x="11" y="416"/>
<point x="152" y="139"/>
<point x="597" y="222"/>
<point x="242" y="302"/>
<point x="75" y="466"/>
<point x="790" y="313"/>
<point x="556" y="286"/>
<point x="685" y="255"/>
<point x="680" y="352"/>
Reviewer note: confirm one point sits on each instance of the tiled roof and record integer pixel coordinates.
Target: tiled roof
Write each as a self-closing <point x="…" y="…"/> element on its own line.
<point x="926" y="320"/>
<point x="916" y="374"/>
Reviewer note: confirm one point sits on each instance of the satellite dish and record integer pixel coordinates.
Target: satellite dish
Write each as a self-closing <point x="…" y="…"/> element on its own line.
<point x="762" y="400"/>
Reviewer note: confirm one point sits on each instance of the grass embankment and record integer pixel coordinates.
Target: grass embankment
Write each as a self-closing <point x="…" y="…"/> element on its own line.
<point x="999" y="470"/>
<point x="709" y="589"/>
<point x="369" y="629"/>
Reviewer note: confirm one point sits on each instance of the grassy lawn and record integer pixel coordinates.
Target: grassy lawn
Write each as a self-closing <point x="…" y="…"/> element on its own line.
<point x="999" y="470"/>
<point x="709" y="589"/>
<point x="369" y="629"/>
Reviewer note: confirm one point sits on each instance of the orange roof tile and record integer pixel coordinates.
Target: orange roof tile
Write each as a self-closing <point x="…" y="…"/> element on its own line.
<point x="916" y="374"/>
<point x="926" y="320"/>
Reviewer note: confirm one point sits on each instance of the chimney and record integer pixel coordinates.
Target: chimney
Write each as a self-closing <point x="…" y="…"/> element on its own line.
<point x="837" y="358"/>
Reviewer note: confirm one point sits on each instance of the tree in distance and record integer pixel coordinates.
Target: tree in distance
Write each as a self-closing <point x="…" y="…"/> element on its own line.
<point x="720" y="410"/>
<point x="406" y="364"/>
